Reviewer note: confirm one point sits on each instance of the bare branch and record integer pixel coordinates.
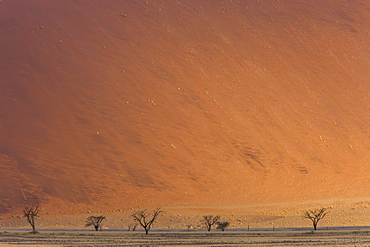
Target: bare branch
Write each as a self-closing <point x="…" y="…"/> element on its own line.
<point x="145" y="219"/>
<point x="95" y="221"/>
<point x="31" y="213"/>
<point x="315" y="216"/>
<point x="210" y="220"/>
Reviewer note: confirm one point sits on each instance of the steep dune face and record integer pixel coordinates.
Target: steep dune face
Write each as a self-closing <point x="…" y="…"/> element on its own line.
<point x="108" y="104"/>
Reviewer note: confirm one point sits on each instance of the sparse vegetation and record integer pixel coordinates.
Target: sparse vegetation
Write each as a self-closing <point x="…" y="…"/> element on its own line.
<point x="32" y="213"/>
<point x="222" y="225"/>
<point x="145" y="219"/>
<point x="95" y="221"/>
<point x="189" y="227"/>
<point x="315" y="216"/>
<point x="132" y="226"/>
<point x="210" y="220"/>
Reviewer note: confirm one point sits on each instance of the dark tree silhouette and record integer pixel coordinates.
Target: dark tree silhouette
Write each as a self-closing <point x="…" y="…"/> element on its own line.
<point x="95" y="221"/>
<point x="223" y="225"/>
<point x="31" y="213"/>
<point x="132" y="226"/>
<point x="315" y="216"/>
<point x="145" y="219"/>
<point x="210" y="220"/>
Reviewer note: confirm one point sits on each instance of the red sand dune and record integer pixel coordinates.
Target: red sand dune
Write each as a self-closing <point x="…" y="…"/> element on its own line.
<point x="115" y="104"/>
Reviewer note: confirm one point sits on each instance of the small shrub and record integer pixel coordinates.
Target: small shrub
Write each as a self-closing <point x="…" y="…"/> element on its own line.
<point x="223" y="225"/>
<point x="132" y="226"/>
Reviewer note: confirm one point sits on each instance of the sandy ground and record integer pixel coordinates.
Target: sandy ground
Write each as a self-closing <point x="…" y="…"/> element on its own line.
<point x="340" y="214"/>
<point x="192" y="238"/>
<point x="263" y="225"/>
<point x="345" y="225"/>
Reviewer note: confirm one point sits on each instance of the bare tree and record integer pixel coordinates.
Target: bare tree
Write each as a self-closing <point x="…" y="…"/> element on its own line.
<point x="315" y="216"/>
<point x="95" y="221"/>
<point x="145" y="219"/>
<point x="210" y="220"/>
<point x="223" y="225"/>
<point x="132" y="226"/>
<point x="31" y="213"/>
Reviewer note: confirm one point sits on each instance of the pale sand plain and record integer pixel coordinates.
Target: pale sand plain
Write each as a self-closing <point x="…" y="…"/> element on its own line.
<point x="347" y="224"/>
<point x="345" y="213"/>
<point x="347" y="237"/>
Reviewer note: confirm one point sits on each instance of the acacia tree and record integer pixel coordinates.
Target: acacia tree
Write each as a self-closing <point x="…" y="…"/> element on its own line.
<point x="95" y="221"/>
<point x="31" y="213"/>
<point x="145" y="219"/>
<point x="223" y="225"/>
<point x="210" y="220"/>
<point x="315" y="216"/>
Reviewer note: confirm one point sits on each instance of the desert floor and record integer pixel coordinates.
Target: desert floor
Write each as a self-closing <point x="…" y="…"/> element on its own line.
<point x="279" y="237"/>
<point x="347" y="224"/>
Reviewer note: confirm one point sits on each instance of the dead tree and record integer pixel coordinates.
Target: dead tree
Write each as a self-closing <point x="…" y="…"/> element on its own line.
<point x="95" y="221"/>
<point x="315" y="216"/>
<point x="145" y="219"/>
<point x="210" y="220"/>
<point x="31" y="213"/>
<point x="132" y="226"/>
<point x="223" y="225"/>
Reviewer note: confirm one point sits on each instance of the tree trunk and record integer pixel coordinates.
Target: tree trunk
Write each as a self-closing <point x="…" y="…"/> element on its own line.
<point x="33" y="223"/>
<point x="96" y="228"/>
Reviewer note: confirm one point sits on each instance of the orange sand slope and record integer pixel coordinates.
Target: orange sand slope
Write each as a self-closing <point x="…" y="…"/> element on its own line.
<point x="115" y="104"/>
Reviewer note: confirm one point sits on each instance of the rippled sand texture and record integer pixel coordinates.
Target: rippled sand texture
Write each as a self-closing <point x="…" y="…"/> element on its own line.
<point x="111" y="105"/>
